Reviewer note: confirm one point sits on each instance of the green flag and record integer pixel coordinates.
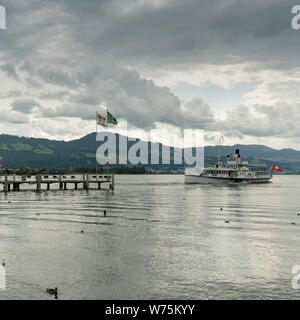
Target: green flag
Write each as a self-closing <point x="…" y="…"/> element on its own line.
<point x="111" y="118"/>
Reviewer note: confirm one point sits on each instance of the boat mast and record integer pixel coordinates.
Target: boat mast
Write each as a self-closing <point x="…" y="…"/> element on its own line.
<point x="220" y="142"/>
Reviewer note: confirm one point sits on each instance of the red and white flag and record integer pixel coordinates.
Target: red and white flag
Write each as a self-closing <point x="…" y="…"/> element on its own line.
<point x="101" y="120"/>
<point x="275" y="167"/>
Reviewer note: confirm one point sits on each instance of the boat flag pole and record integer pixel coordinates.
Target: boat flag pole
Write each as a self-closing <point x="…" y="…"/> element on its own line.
<point x="107" y="162"/>
<point x="96" y="137"/>
<point x="219" y="154"/>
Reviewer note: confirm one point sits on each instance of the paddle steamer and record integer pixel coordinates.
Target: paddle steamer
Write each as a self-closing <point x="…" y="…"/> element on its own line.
<point x="235" y="170"/>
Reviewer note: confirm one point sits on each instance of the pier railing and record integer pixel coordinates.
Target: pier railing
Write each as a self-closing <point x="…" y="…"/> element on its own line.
<point x="86" y="181"/>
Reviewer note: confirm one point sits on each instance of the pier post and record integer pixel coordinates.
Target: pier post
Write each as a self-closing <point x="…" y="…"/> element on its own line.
<point x="87" y="182"/>
<point x="5" y="183"/>
<point x="38" y="182"/>
<point x="60" y="183"/>
<point x="112" y="186"/>
<point x="83" y="181"/>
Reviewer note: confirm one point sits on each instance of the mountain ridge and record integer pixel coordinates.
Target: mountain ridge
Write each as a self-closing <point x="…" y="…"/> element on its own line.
<point x="21" y="152"/>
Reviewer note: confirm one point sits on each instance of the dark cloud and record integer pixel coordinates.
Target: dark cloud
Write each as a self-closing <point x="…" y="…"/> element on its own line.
<point x="24" y="105"/>
<point x="135" y="31"/>
<point x="10" y="70"/>
<point x="11" y="94"/>
<point x="31" y="83"/>
<point x="58" y="78"/>
<point x="54" y="95"/>
<point x="189" y="31"/>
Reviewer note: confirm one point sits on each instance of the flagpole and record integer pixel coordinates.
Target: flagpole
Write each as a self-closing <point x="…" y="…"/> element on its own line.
<point x="96" y="137"/>
<point x="107" y="128"/>
<point x="219" y="151"/>
<point x="96" y="121"/>
<point x="106" y="116"/>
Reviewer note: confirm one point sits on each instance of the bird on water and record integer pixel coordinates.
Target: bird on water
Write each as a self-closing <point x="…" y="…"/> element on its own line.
<point x="52" y="291"/>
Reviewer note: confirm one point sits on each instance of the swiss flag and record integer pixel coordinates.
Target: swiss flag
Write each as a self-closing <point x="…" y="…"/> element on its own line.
<point x="275" y="167"/>
<point x="101" y="120"/>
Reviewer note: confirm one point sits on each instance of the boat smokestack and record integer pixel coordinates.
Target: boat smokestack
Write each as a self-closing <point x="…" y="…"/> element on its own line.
<point x="237" y="154"/>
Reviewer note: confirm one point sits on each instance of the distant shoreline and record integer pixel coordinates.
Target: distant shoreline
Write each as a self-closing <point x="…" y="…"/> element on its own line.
<point x="44" y="171"/>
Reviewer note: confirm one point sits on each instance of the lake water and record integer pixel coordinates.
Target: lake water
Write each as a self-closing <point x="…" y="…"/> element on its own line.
<point x="161" y="239"/>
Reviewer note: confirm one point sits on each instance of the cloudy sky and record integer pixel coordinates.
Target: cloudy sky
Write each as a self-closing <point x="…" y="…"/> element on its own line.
<point x="229" y="66"/>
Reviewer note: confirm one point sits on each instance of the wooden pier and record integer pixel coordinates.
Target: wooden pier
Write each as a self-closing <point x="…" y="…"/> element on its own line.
<point x="13" y="182"/>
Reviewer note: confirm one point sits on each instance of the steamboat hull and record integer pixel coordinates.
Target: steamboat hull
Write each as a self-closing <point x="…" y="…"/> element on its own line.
<point x="193" y="179"/>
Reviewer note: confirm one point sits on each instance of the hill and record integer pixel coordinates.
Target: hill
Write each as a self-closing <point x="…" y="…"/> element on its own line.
<point x="23" y="152"/>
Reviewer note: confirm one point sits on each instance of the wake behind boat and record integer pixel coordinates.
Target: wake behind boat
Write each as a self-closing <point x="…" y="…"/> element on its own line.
<point x="235" y="170"/>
